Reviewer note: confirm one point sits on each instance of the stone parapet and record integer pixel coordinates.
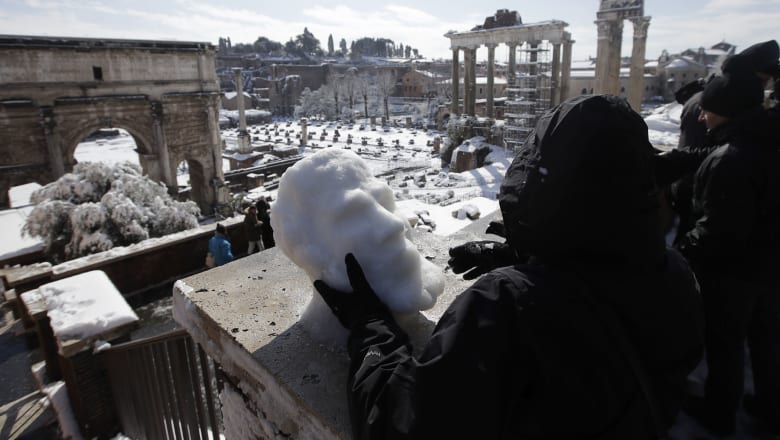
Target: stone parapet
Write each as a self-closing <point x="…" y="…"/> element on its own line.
<point x="280" y="381"/>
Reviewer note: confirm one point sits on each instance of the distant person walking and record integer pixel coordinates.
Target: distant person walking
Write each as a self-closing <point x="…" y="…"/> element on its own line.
<point x="252" y="228"/>
<point x="264" y="215"/>
<point x="219" y="246"/>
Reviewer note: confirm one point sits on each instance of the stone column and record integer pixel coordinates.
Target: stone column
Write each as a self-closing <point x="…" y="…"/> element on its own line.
<point x="161" y="146"/>
<point x="490" y="74"/>
<point x="610" y="37"/>
<point x="636" y="83"/>
<point x="243" y="137"/>
<point x="512" y="67"/>
<point x="566" y="70"/>
<point x="52" y="143"/>
<point x="455" y="81"/>
<point x="468" y="58"/>
<point x="555" y="74"/>
<point x="473" y="82"/>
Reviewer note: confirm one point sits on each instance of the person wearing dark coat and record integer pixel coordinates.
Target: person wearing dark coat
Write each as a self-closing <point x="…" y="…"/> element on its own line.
<point x="734" y="249"/>
<point x="264" y="215"/>
<point x="760" y="59"/>
<point x="592" y="337"/>
<point x="253" y="230"/>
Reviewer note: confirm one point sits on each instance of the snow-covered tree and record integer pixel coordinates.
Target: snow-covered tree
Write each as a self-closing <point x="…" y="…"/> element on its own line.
<point x="98" y="206"/>
<point x="385" y="86"/>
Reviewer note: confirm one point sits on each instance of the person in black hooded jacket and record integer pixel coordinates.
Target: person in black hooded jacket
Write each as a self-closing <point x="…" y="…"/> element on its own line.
<point x="734" y="249"/>
<point x="760" y="59"/>
<point x="592" y="337"/>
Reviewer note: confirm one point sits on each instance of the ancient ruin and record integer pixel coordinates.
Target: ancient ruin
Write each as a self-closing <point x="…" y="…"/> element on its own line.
<point x="540" y="82"/>
<point x="610" y="19"/>
<point x="57" y="91"/>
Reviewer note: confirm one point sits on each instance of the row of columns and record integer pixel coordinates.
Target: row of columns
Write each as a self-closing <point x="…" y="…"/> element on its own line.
<point x="561" y="71"/>
<point x="610" y="38"/>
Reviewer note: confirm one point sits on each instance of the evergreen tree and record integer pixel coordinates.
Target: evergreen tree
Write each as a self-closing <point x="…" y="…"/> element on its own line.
<point x="330" y="45"/>
<point x="343" y="46"/>
<point x="308" y="44"/>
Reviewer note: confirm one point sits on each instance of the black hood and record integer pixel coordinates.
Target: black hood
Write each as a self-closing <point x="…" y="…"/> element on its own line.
<point x="582" y="186"/>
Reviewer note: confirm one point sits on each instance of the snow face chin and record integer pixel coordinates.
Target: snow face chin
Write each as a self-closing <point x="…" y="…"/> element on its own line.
<point x="329" y="205"/>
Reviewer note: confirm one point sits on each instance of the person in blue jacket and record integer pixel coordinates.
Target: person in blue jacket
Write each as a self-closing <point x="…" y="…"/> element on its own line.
<point x="219" y="246"/>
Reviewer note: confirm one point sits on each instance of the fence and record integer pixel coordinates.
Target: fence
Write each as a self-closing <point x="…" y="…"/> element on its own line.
<point x="164" y="387"/>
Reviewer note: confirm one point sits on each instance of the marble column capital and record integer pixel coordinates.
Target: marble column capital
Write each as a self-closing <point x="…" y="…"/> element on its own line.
<point x="640" y="26"/>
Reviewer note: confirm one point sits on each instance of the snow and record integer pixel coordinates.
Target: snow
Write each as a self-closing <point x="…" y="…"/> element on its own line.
<point x="20" y="195"/>
<point x="664" y="126"/>
<point x="85" y="306"/>
<point x="14" y="243"/>
<point x="58" y="395"/>
<point x="109" y="150"/>
<point x="330" y="204"/>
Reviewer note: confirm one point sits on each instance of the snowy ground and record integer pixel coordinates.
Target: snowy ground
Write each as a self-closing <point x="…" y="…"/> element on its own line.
<point x="395" y="153"/>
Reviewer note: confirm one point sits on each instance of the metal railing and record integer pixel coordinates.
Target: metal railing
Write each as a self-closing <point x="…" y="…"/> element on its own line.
<point x="164" y="387"/>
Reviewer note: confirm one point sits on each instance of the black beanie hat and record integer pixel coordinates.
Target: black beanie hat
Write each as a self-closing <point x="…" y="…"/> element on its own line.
<point x="732" y="95"/>
<point x="760" y="57"/>
<point x="221" y="229"/>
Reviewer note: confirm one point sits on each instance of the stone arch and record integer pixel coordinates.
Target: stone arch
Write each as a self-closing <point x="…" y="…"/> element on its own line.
<point x="143" y="145"/>
<point x="199" y="185"/>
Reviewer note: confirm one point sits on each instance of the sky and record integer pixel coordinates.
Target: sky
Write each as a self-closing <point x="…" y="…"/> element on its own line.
<point x="676" y="24"/>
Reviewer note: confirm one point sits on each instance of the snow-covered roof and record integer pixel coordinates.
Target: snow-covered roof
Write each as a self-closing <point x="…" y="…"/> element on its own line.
<point x="681" y="63"/>
<point x="232" y="95"/>
<point x="84" y="306"/>
<point x="13" y="242"/>
<point x="20" y="195"/>
<point x="583" y="65"/>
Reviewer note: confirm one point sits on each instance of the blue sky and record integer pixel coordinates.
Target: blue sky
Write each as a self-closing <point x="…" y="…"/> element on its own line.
<point x="675" y="26"/>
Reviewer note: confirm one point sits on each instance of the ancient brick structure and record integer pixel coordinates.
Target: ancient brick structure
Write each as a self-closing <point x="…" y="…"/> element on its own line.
<point x="56" y="91"/>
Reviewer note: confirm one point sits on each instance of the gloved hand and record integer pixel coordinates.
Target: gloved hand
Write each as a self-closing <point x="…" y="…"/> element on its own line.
<point x="496" y="228"/>
<point x="480" y="257"/>
<point x="358" y="306"/>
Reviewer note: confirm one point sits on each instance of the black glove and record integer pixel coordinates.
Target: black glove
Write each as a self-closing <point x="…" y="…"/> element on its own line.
<point x="496" y="228"/>
<point x="357" y="307"/>
<point x="480" y="257"/>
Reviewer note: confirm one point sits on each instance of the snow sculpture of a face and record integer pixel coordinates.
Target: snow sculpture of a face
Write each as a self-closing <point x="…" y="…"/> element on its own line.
<point x="328" y="205"/>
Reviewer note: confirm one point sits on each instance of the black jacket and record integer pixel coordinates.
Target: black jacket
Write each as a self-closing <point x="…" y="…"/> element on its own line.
<point x="526" y="352"/>
<point x="737" y="202"/>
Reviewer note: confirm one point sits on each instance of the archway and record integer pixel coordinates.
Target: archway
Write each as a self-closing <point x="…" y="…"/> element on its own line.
<point x="194" y="175"/>
<point x="94" y="140"/>
<point x="107" y="145"/>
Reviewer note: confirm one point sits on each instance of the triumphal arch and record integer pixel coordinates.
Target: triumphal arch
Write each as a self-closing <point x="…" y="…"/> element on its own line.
<point x="56" y="91"/>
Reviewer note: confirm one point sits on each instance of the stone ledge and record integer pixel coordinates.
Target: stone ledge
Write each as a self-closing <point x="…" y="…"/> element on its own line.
<point x="245" y="316"/>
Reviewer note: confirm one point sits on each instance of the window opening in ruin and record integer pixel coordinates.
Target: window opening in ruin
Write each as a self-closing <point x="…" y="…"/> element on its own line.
<point x="108" y="145"/>
<point x="97" y="73"/>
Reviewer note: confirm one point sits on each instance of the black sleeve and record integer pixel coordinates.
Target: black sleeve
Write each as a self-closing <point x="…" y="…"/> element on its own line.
<point x="727" y="205"/>
<point x="672" y="165"/>
<point x="464" y="373"/>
